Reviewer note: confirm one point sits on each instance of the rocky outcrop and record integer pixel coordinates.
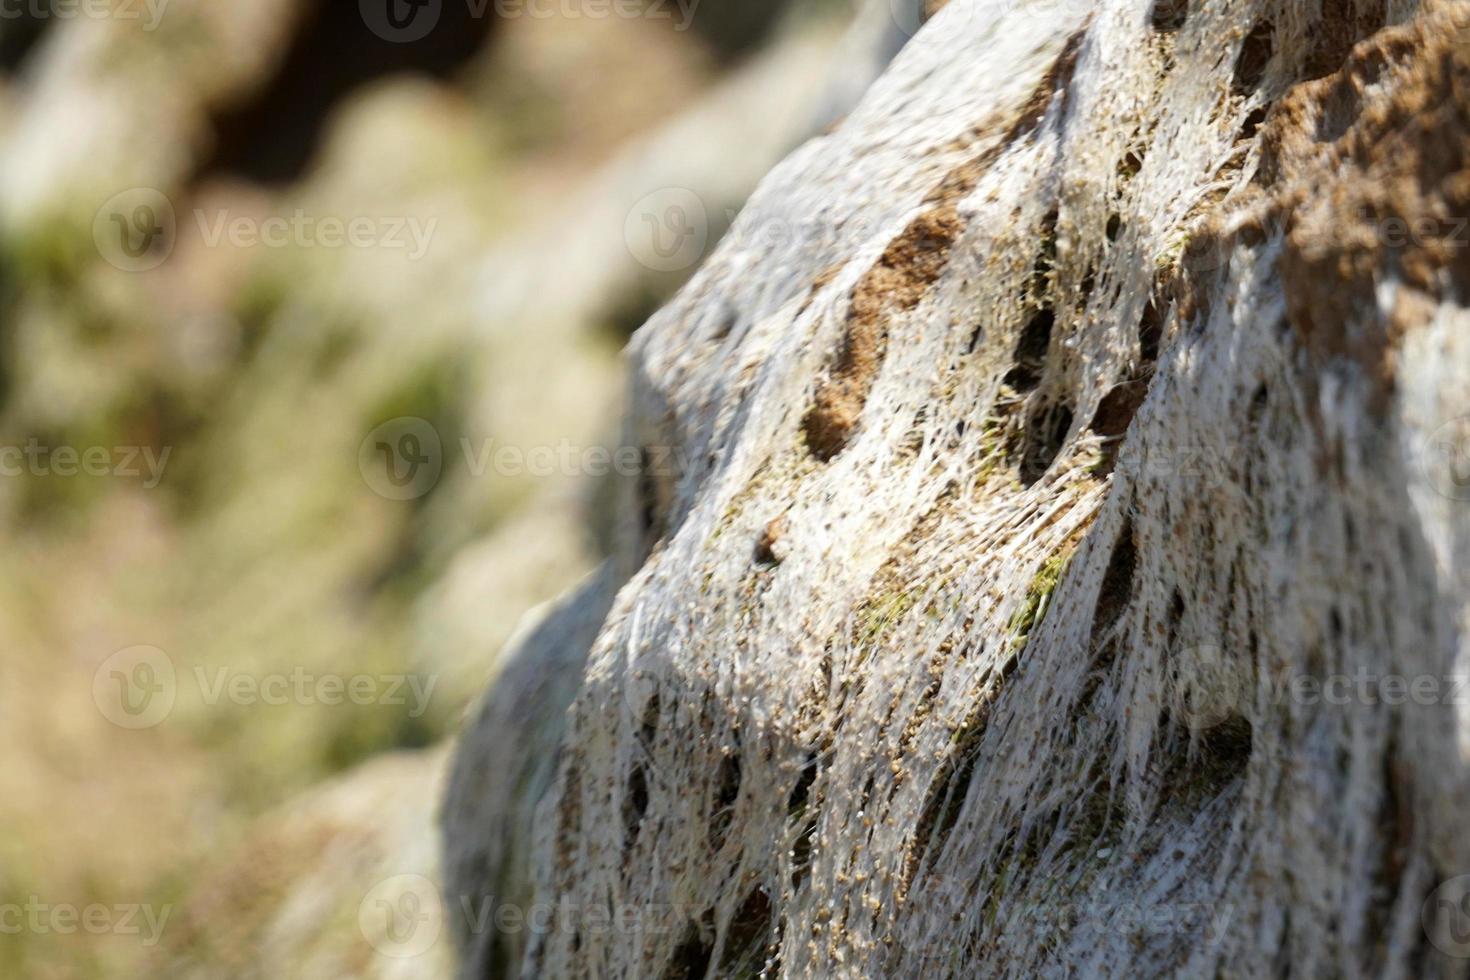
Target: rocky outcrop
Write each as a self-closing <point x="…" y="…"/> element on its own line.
<point x="493" y="794"/>
<point x="1066" y="572"/>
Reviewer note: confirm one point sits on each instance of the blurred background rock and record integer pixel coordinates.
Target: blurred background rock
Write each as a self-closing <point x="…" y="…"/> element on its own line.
<point x="522" y="145"/>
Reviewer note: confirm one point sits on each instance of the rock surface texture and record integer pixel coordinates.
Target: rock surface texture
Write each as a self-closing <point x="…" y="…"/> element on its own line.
<point x="1068" y="454"/>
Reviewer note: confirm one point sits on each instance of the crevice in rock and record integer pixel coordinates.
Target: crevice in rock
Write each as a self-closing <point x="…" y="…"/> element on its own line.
<point x="1167" y="16"/>
<point x="1116" y="590"/>
<point x="1255" y="54"/>
<point x="1150" y="334"/>
<point x="648" y="728"/>
<point x="654" y="496"/>
<point x="691" y="957"/>
<point x="1029" y="360"/>
<point x="727" y="791"/>
<point x="941" y="810"/>
<point x="1396" y="828"/>
<point x="801" y="854"/>
<point x="1117" y="409"/>
<point x="1047" y="426"/>
<point x="748" y="936"/>
<point x="1252" y="123"/>
<point x="799" y="807"/>
<point x="796" y="803"/>
<point x="635" y="805"/>
<point x="1199" y="773"/>
<point x="1114" y="416"/>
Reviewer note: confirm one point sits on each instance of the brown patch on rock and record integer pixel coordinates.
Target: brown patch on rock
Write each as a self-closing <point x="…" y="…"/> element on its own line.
<point x="1366" y="175"/>
<point x="896" y="284"/>
<point x="771" y="548"/>
<point x="1400" y="211"/>
<point x="908" y="267"/>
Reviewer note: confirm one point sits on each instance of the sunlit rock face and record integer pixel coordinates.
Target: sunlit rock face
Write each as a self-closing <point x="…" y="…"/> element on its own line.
<point x="1064" y="572"/>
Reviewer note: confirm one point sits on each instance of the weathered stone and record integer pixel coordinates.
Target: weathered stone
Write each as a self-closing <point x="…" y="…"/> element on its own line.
<point x="1122" y="587"/>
